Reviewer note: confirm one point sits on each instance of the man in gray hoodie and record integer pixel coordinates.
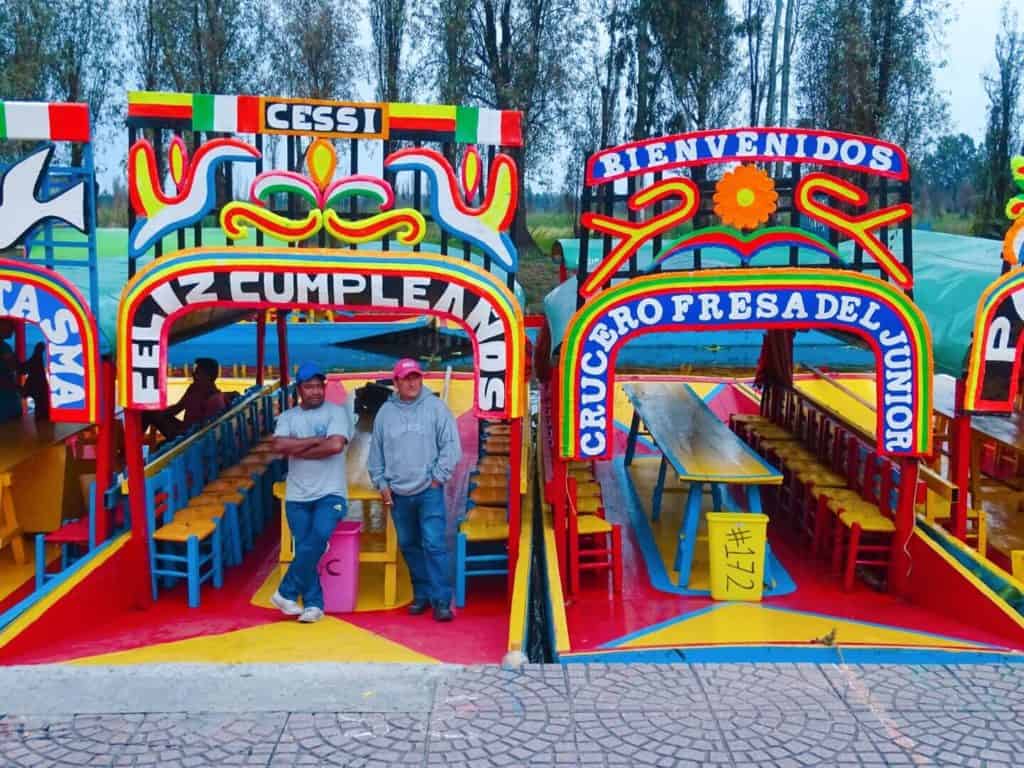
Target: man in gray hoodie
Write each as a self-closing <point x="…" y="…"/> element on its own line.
<point x="413" y="452"/>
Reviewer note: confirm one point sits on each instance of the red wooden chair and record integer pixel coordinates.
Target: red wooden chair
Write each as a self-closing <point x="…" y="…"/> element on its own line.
<point x="594" y="543"/>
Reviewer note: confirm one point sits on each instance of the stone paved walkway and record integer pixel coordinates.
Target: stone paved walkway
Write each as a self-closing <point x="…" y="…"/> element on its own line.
<point x="578" y="715"/>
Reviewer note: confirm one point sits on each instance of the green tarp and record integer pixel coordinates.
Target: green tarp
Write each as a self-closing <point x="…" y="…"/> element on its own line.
<point x="112" y="249"/>
<point x="950" y="274"/>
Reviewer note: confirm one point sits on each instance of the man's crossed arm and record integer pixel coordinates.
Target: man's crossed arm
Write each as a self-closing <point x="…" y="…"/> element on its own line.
<point x="310" y="447"/>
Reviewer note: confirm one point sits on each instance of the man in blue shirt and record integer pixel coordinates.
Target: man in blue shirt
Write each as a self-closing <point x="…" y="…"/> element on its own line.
<point x="413" y="452"/>
<point x="313" y="436"/>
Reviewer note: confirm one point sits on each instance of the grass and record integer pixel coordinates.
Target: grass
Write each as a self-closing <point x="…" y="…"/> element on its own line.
<point x="950" y="223"/>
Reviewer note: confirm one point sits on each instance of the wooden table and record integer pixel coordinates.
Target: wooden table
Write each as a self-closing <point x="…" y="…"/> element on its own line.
<point x="701" y="451"/>
<point x="33" y="466"/>
<point x="1006" y="430"/>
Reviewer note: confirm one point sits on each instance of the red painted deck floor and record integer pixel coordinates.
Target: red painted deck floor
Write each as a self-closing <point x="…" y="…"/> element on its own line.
<point x="479" y="633"/>
<point x="597" y="617"/>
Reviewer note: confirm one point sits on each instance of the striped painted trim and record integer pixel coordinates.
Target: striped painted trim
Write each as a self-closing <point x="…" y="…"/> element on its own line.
<point x="40" y="120"/>
<point x="241" y="114"/>
<point x="474" y="125"/>
<point x="225" y="114"/>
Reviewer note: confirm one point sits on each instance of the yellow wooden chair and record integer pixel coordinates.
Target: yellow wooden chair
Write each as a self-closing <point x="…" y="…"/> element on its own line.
<point x="227" y="506"/>
<point x="496" y="446"/>
<point x="493" y="464"/>
<point x="171" y="533"/>
<point x="977" y="521"/>
<point x="1017" y="564"/>
<point x="10" y="530"/>
<point x="488" y="480"/>
<point x="486" y="526"/>
<point x="489" y="496"/>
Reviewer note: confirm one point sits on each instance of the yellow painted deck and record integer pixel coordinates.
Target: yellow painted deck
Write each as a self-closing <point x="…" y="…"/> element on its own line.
<point x="648" y="620"/>
<point x="238" y="624"/>
<point x="330" y="639"/>
<point x="13" y="576"/>
<point x="1005" y="513"/>
<point x="759" y="624"/>
<point x="644" y="474"/>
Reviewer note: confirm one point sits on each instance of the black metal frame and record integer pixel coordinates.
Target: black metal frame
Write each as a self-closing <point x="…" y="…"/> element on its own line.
<point x="294" y="154"/>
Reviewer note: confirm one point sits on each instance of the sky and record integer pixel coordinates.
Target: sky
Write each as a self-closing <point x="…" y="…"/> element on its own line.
<point x="969" y="52"/>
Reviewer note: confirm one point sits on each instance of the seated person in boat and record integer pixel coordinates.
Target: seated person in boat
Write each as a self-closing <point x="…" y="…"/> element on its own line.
<point x="11" y="368"/>
<point x="201" y="401"/>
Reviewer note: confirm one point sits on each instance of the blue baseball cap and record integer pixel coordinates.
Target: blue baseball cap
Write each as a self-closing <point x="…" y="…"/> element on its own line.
<point x="309" y="370"/>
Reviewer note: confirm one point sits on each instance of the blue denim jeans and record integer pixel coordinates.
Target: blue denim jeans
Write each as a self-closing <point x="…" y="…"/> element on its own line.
<point x="420" y="522"/>
<point x="311" y="523"/>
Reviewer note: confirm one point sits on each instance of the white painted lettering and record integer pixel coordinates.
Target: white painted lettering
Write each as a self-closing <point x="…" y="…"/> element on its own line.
<point x="795" y="308"/>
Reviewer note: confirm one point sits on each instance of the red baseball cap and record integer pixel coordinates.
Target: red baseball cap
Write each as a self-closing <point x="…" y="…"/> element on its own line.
<point x="406" y="367"/>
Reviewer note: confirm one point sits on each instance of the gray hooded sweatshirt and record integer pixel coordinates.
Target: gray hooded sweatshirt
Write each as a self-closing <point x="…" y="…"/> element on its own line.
<point x="413" y="444"/>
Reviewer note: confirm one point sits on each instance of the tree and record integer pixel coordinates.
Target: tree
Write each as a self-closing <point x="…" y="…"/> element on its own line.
<point x="25" y="27"/>
<point x="788" y="45"/>
<point x="522" y="62"/>
<point x="145" y="22"/>
<point x="608" y="52"/>
<point x="759" y="75"/>
<point x="1002" y="136"/>
<point x="645" y="89"/>
<point x="84" y="62"/>
<point x="610" y="70"/>
<point x="769" y="116"/>
<point x="314" y="49"/>
<point x="867" y="67"/>
<point x="946" y="175"/>
<point x="440" y="56"/>
<point x="209" y="45"/>
<point x="697" y="42"/>
<point x="387" y="23"/>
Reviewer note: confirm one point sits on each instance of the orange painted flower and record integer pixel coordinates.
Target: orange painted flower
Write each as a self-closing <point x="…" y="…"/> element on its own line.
<point x="745" y="197"/>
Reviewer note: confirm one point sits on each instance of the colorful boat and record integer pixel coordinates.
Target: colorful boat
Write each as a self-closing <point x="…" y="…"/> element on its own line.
<point x="802" y="508"/>
<point x="871" y="549"/>
<point x="332" y="233"/>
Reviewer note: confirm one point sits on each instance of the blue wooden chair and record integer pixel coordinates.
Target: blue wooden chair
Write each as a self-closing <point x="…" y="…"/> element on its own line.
<point x="180" y="549"/>
<point x="486" y="527"/>
<point x="202" y="498"/>
<point x="482" y="538"/>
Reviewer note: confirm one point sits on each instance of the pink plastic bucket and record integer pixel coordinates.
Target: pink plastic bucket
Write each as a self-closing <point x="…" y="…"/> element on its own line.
<point x="339" y="568"/>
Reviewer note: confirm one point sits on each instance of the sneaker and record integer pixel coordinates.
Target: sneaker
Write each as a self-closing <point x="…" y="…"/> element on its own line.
<point x="418" y="606"/>
<point x="443" y="613"/>
<point x="288" y="607"/>
<point x="311" y="615"/>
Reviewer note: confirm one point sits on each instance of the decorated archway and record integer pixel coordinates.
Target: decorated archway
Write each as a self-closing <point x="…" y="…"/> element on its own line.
<point x="34" y="294"/>
<point x="876" y="311"/>
<point x="241" y="278"/>
<point x="993" y="367"/>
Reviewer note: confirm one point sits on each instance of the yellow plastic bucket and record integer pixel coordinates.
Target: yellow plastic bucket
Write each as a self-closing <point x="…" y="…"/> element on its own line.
<point x="736" y="544"/>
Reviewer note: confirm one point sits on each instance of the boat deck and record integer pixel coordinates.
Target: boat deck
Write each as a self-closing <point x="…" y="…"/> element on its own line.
<point x="237" y="624"/>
